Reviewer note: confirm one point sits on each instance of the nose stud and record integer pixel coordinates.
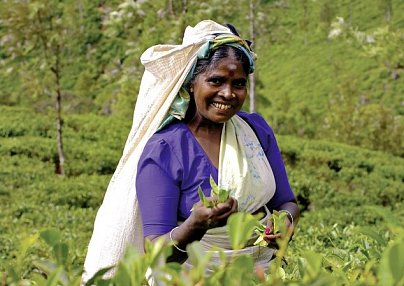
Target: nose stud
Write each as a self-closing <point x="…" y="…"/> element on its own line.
<point x="233" y="95"/>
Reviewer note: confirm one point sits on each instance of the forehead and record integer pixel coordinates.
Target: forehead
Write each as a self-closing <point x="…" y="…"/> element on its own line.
<point x="229" y="64"/>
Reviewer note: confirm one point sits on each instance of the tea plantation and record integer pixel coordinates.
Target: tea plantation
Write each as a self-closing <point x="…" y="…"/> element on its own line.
<point x="351" y="198"/>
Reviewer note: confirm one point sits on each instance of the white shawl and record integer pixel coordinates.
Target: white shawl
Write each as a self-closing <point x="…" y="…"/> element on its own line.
<point x="245" y="171"/>
<point x="118" y="222"/>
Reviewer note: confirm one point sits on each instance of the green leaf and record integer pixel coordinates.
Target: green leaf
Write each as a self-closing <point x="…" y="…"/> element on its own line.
<point x="260" y="227"/>
<point x="260" y="240"/>
<point x="312" y="266"/>
<point x="279" y="272"/>
<point x="223" y="195"/>
<point x="46" y="266"/>
<point x="51" y="236"/>
<point x="157" y="251"/>
<point x="278" y="221"/>
<point x="215" y="188"/>
<point x="38" y="279"/>
<point x="25" y="245"/>
<point x="239" y="272"/>
<point x="50" y="267"/>
<point x="98" y="276"/>
<point x="199" y="258"/>
<point x="196" y="253"/>
<point x="122" y="276"/>
<point x="240" y="227"/>
<point x="396" y="261"/>
<point x="55" y="277"/>
<point x="61" y="252"/>
<point x="12" y="275"/>
<point x="203" y="198"/>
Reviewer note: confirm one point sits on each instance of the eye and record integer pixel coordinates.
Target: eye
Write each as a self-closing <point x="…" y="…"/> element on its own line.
<point x="240" y="83"/>
<point x="215" y="80"/>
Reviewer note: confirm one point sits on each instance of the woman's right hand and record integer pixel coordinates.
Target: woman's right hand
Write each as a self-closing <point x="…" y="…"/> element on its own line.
<point x="206" y="218"/>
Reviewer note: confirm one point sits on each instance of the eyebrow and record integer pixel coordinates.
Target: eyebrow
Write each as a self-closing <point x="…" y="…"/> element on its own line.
<point x="216" y="76"/>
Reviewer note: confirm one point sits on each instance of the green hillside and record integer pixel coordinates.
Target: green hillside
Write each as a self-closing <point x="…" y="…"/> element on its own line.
<point x="336" y="105"/>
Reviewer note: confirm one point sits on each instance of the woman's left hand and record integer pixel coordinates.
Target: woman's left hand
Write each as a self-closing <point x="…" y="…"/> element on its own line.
<point x="292" y="209"/>
<point x="271" y="237"/>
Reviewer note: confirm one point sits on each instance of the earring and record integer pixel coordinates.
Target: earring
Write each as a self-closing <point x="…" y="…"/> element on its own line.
<point x="191" y="89"/>
<point x="233" y="95"/>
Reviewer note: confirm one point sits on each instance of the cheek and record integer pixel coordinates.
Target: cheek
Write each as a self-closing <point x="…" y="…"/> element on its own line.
<point x="242" y="97"/>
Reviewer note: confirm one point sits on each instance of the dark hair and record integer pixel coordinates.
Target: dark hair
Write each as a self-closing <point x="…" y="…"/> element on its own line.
<point x="220" y="53"/>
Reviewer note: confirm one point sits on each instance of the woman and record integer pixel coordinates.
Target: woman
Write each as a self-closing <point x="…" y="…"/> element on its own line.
<point x="188" y="126"/>
<point x="183" y="155"/>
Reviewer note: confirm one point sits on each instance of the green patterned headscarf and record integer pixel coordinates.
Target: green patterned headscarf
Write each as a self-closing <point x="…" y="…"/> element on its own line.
<point x="228" y="40"/>
<point x="180" y="104"/>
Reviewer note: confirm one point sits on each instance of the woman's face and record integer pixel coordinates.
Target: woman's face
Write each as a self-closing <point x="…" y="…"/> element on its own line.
<point x="220" y="91"/>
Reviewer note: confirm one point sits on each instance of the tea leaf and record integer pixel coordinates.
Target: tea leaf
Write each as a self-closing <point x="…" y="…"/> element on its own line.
<point x="223" y="195"/>
<point x="61" y="252"/>
<point x="279" y="226"/>
<point x="215" y="188"/>
<point x="278" y="221"/>
<point x="51" y="236"/>
<point x="55" y="277"/>
<point x="396" y="261"/>
<point x="260" y="240"/>
<point x="313" y="264"/>
<point x="203" y="198"/>
<point x="240" y="227"/>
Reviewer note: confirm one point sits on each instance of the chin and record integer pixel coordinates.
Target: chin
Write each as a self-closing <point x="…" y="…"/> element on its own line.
<point x="221" y="119"/>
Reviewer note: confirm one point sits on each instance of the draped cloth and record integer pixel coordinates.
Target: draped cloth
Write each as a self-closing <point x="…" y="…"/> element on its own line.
<point x="118" y="221"/>
<point x="244" y="170"/>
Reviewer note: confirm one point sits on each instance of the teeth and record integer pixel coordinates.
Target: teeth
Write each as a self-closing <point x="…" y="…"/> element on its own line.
<point x="221" y="106"/>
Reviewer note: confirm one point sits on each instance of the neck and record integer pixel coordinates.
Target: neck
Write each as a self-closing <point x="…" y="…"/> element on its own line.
<point x="204" y="126"/>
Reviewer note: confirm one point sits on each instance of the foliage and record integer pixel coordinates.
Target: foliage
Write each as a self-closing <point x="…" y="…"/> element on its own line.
<point x="319" y="93"/>
<point x="333" y="183"/>
<point x="219" y="195"/>
<point x="136" y="269"/>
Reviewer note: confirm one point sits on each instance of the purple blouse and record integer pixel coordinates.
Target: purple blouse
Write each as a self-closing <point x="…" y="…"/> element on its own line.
<point x="173" y="165"/>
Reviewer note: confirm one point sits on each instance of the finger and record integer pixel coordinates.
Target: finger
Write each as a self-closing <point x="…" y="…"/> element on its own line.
<point x="235" y="204"/>
<point x="224" y="217"/>
<point x="221" y="208"/>
<point x="272" y="236"/>
<point x="212" y="198"/>
<point x="229" y="203"/>
<point x="198" y="205"/>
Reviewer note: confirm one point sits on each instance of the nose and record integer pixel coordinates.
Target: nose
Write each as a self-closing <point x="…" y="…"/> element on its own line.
<point x="226" y="92"/>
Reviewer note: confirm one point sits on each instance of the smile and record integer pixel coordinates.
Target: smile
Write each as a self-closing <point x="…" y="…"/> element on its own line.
<point x="221" y="106"/>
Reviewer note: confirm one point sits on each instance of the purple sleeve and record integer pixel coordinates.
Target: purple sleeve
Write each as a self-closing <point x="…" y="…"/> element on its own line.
<point x="157" y="189"/>
<point x="266" y="136"/>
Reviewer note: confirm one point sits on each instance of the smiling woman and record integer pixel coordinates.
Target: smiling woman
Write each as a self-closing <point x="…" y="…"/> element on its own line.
<point x="201" y="134"/>
<point x="183" y="155"/>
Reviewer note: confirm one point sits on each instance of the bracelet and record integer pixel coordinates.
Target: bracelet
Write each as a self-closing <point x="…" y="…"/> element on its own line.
<point x="288" y="212"/>
<point x="171" y="238"/>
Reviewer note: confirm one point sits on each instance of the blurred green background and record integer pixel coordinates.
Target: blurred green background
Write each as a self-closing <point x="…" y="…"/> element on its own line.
<point x="329" y="80"/>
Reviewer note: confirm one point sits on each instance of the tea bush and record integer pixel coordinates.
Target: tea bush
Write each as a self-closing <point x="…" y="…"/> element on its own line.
<point x="341" y="190"/>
